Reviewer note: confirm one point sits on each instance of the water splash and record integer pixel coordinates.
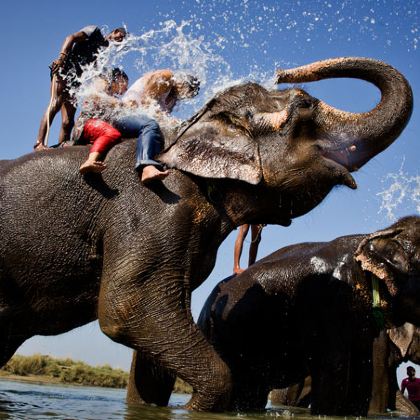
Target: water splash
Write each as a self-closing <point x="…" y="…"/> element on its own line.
<point x="403" y="191"/>
<point x="254" y="32"/>
<point x="174" y="46"/>
<point x="255" y="25"/>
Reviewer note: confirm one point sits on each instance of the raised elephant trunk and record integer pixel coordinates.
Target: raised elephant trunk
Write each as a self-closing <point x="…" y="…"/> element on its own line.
<point x="352" y="139"/>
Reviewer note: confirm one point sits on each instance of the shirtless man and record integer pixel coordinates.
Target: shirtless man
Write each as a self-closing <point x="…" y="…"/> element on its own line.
<point x="78" y="50"/>
<point x="156" y="92"/>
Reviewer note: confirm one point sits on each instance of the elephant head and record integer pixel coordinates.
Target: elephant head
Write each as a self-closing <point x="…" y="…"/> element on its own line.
<point x="289" y="142"/>
<point x="393" y="255"/>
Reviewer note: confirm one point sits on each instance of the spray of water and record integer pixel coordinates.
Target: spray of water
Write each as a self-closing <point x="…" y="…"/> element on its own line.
<point x="176" y="47"/>
<point x="402" y="191"/>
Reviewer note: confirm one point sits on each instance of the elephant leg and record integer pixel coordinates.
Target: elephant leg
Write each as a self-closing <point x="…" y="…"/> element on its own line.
<point x="148" y="382"/>
<point x="361" y="375"/>
<point x="249" y="394"/>
<point x="380" y="382"/>
<point x="150" y="316"/>
<point x="10" y="340"/>
<point x="342" y="382"/>
<point x="250" y="399"/>
<point x="394" y="389"/>
<point x="330" y="379"/>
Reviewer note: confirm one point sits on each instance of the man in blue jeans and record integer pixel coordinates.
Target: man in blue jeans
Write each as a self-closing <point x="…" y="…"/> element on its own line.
<point x="159" y="91"/>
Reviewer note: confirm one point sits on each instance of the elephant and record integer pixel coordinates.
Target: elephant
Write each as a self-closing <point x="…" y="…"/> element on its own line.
<point x="390" y="348"/>
<point x="78" y="248"/>
<point x="318" y="297"/>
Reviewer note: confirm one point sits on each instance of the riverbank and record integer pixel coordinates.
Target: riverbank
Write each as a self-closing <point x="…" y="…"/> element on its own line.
<point x="43" y="369"/>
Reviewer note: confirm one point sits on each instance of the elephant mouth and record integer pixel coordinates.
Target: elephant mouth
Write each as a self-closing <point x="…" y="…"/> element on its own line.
<point x="340" y="156"/>
<point x="337" y="164"/>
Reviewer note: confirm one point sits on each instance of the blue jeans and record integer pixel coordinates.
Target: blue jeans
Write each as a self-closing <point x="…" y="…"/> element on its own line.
<point x="149" y="138"/>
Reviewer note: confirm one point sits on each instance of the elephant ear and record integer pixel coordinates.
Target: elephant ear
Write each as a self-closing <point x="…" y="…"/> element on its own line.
<point x="402" y="337"/>
<point x="216" y="149"/>
<point x="382" y="255"/>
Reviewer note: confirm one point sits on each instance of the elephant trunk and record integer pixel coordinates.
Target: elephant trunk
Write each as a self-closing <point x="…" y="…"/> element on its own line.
<point x="352" y="139"/>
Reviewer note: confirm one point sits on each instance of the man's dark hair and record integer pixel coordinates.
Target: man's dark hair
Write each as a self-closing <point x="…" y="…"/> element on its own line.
<point x="117" y="73"/>
<point x="120" y="29"/>
<point x="112" y="75"/>
<point x="411" y="369"/>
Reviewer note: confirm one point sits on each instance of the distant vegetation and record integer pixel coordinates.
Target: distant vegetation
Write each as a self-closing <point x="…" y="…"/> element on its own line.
<point x="65" y="371"/>
<point x="68" y="371"/>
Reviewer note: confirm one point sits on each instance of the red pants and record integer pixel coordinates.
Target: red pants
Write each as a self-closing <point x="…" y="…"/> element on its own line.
<point x="101" y="135"/>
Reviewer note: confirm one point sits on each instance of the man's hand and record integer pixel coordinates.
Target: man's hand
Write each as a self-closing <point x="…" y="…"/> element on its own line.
<point x="57" y="64"/>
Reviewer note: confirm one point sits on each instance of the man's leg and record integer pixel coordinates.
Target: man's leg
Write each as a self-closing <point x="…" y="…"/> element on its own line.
<point x="56" y="101"/>
<point x="256" y="231"/>
<point x="149" y="144"/>
<point x="68" y="111"/>
<point x="239" y="243"/>
<point x="103" y="136"/>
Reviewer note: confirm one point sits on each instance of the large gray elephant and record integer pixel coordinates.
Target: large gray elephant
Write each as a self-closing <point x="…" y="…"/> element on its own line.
<point x="76" y="248"/>
<point x="319" y="299"/>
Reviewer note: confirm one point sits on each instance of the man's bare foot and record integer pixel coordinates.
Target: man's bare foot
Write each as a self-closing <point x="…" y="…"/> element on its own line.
<point x="40" y="146"/>
<point x="238" y="270"/>
<point x="151" y="173"/>
<point x="92" y="166"/>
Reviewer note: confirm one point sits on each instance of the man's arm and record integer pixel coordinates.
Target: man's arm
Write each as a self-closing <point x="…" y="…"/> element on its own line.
<point x="71" y="40"/>
<point x="159" y="83"/>
<point x="66" y="48"/>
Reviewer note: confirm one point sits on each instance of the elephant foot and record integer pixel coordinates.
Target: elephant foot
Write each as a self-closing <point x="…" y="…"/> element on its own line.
<point x="205" y="403"/>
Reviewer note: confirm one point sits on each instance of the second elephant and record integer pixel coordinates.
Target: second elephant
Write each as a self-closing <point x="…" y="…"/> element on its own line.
<point x="307" y="309"/>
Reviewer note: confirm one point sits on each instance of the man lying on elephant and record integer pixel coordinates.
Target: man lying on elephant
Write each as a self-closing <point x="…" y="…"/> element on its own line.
<point x="157" y="92"/>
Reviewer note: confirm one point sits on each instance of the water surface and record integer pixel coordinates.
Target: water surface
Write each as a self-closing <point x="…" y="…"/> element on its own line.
<point x="20" y="400"/>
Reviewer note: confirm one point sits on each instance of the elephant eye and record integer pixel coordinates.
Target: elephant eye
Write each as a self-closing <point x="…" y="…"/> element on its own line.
<point x="305" y="103"/>
<point x="396" y="255"/>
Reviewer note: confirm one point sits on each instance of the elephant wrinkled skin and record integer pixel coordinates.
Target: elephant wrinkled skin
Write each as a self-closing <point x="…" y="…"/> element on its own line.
<point x="307" y="310"/>
<point x="76" y="248"/>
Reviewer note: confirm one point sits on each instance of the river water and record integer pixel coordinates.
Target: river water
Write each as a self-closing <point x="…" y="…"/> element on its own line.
<point x="21" y="400"/>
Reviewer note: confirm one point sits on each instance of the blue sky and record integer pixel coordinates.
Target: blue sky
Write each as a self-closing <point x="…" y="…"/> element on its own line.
<point x="237" y="38"/>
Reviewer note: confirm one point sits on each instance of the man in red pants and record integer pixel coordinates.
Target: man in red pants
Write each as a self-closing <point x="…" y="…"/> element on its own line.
<point x="92" y="123"/>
